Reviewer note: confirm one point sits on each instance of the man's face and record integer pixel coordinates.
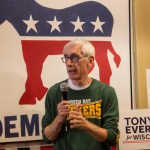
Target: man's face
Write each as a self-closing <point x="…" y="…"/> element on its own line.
<point x="76" y="70"/>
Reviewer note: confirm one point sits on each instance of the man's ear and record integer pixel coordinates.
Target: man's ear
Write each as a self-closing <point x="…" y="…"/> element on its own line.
<point x="91" y="68"/>
<point x="91" y="63"/>
<point x="91" y="60"/>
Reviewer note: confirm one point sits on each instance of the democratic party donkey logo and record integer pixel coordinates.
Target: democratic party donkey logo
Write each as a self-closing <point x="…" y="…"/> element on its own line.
<point x="87" y="19"/>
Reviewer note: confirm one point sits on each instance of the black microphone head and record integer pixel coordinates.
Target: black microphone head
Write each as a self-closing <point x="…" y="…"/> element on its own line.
<point x="64" y="87"/>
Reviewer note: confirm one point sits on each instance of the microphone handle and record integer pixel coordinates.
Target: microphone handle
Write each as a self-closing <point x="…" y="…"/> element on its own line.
<point x="64" y="94"/>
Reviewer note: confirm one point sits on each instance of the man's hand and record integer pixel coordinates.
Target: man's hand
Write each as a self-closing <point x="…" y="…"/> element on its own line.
<point x="63" y="109"/>
<point x="76" y="119"/>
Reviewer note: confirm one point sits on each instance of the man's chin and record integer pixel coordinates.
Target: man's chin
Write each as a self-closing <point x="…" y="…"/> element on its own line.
<point x="73" y="78"/>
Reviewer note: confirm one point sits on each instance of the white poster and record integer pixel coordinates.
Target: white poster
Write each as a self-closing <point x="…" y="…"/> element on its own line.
<point x="32" y="36"/>
<point x="135" y="129"/>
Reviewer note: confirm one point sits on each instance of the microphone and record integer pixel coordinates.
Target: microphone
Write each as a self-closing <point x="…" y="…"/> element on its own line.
<point x="64" y="89"/>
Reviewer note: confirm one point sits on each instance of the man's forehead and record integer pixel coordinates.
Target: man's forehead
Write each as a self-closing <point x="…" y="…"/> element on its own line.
<point x="73" y="49"/>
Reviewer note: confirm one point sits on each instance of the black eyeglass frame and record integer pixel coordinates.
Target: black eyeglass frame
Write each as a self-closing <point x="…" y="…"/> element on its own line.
<point x="74" y="58"/>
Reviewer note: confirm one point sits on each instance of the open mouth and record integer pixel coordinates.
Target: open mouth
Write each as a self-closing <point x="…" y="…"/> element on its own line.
<point x="71" y="70"/>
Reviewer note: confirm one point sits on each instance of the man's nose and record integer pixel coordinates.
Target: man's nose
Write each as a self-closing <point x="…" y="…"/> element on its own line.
<point x="69" y="62"/>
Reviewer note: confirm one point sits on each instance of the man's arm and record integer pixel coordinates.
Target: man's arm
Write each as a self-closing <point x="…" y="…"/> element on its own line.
<point x="52" y="130"/>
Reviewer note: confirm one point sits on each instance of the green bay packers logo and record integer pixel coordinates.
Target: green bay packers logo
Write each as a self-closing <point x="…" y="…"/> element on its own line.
<point x="89" y="110"/>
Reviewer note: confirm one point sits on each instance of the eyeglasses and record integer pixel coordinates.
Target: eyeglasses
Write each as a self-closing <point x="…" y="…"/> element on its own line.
<point x="73" y="58"/>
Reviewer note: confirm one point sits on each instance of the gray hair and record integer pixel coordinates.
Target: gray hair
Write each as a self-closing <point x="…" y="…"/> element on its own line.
<point x="87" y="48"/>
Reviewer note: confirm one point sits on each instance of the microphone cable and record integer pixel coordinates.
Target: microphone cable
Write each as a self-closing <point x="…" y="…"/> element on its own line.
<point x="66" y="134"/>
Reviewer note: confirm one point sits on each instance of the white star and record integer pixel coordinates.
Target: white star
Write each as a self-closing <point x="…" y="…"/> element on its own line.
<point x="31" y="24"/>
<point x="98" y="25"/>
<point x="55" y="24"/>
<point x="78" y="24"/>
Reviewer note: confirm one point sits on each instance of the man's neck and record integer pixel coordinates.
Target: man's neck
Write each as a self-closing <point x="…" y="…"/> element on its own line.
<point x="82" y="82"/>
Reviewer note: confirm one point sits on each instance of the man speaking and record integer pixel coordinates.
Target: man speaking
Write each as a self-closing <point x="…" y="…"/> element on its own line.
<point x="87" y="118"/>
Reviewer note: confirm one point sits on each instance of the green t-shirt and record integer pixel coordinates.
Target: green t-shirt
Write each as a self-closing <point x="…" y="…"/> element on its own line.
<point x="99" y="104"/>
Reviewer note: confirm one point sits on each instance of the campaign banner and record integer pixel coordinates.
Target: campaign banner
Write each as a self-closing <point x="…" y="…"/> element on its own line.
<point x="32" y="36"/>
<point x="134" y="129"/>
<point x="20" y="127"/>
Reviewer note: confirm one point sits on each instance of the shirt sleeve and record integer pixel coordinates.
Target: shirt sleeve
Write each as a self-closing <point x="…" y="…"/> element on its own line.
<point x="110" y="115"/>
<point x="47" y="118"/>
<point x="53" y="97"/>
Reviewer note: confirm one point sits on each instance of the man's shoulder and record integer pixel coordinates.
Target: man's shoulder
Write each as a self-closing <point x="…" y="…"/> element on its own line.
<point x="97" y="82"/>
<point x="102" y="85"/>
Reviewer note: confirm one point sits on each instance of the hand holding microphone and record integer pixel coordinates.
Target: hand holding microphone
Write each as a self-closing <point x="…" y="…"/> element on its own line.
<point x="76" y="119"/>
<point x="63" y="109"/>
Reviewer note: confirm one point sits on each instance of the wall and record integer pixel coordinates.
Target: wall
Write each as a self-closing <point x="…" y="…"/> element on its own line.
<point x="142" y="35"/>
